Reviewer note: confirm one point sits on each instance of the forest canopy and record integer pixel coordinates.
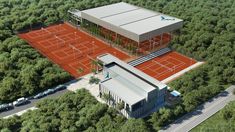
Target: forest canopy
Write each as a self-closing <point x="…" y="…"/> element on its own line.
<point x="73" y="112"/>
<point x="208" y="35"/>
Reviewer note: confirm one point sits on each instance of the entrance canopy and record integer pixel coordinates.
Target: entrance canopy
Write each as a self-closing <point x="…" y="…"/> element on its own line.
<point x="133" y="22"/>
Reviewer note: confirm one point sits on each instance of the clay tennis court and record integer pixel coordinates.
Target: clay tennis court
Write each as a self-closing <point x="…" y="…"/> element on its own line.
<point x="166" y="65"/>
<point x="70" y="48"/>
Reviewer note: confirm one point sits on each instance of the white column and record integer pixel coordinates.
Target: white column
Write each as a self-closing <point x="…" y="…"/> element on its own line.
<point x="161" y="40"/>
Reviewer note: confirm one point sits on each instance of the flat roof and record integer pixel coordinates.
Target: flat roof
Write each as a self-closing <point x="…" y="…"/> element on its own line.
<point x="123" y="90"/>
<point x="123" y="18"/>
<point x="130" y="79"/>
<point x="135" y="76"/>
<point x="75" y="12"/>
<point x="109" y="10"/>
<point x="175" y="93"/>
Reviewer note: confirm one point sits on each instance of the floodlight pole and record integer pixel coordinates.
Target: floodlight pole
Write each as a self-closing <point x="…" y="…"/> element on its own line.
<point x="161" y="40"/>
<point x="74" y="48"/>
<point x="174" y="68"/>
<point x="60" y="39"/>
<point x="171" y="35"/>
<point x="93" y="46"/>
<point x="60" y="25"/>
<point x="91" y="60"/>
<point x="47" y="31"/>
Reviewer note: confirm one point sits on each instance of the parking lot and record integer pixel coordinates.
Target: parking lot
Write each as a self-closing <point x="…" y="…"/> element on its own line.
<point x="73" y="85"/>
<point x="32" y="103"/>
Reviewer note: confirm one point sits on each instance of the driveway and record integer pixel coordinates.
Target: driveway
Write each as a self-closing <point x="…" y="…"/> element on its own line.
<point x="73" y="85"/>
<point x="203" y="112"/>
<point x="30" y="105"/>
<point x="33" y="102"/>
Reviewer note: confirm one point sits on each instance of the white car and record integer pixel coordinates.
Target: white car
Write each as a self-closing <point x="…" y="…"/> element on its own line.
<point x="20" y="101"/>
<point x="60" y="87"/>
<point x="4" y="107"/>
<point x="49" y="91"/>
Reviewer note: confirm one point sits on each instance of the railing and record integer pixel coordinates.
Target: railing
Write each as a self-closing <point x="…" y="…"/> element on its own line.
<point x="149" y="56"/>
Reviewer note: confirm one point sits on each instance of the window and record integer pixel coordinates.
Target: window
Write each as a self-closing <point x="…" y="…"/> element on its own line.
<point x="127" y="107"/>
<point x="137" y="105"/>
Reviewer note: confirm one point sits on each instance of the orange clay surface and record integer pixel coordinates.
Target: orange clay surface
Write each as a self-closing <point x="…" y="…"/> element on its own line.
<point x="166" y="65"/>
<point x="70" y="48"/>
<point x="73" y="49"/>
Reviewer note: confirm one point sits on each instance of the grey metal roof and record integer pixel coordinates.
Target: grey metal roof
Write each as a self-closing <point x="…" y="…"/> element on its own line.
<point x="141" y="86"/>
<point x="75" y="12"/>
<point x="109" y="10"/>
<point x="134" y="22"/>
<point x="123" y="91"/>
<point x="136" y="76"/>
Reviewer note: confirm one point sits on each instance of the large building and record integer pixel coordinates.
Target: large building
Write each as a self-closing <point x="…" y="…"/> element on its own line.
<point x="144" y="29"/>
<point x="123" y="83"/>
<point x="140" y="31"/>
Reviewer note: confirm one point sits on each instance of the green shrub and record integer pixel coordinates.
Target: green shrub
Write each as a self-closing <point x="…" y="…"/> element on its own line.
<point x="94" y="80"/>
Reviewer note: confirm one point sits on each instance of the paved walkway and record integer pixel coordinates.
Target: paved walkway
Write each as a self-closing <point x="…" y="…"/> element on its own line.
<point x="73" y="85"/>
<point x="84" y="83"/>
<point x="21" y="112"/>
<point x="203" y="112"/>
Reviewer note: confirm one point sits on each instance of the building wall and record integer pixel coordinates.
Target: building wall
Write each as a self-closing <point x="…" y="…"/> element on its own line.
<point x="115" y="101"/>
<point x="146" y="107"/>
<point x="154" y="33"/>
<point x="104" y="24"/>
<point x="107" y="72"/>
<point x="161" y="96"/>
<point x="130" y="45"/>
<point x="129" y="34"/>
<point x="153" y="99"/>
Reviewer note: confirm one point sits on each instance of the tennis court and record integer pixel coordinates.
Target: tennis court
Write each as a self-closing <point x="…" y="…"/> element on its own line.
<point x="165" y="65"/>
<point x="69" y="47"/>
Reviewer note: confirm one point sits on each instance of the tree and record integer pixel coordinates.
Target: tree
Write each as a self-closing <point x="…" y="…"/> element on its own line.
<point x="106" y="97"/>
<point x="5" y="130"/>
<point x="105" y="124"/>
<point x="8" y="87"/>
<point x="207" y="35"/>
<point x="93" y="71"/>
<point x="178" y="110"/>
<point x="80" y="70"/>
<point x="227" y="114"/>
<point x="134" y="125"/>
<point x="161" y="118"/>
<point x="94" y="80"/>
<point x="120" y="105"/>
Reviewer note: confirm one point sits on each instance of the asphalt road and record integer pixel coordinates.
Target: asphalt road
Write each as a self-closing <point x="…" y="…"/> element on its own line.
<point x="31" y="104"/>
<point x="203" y="112"/>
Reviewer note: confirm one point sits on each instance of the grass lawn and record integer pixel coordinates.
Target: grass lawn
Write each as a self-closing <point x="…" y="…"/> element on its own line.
<point x="217" y="123"/>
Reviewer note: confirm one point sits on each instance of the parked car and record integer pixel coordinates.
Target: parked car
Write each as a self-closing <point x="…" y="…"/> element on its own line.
<point x="20" y="101"/>
<point x="49" y="91"/>
<point x="4" y="107"/>
<point x="30" y="97"/>
<point x="38" y="96"/>
<point x="60" y="87"/>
